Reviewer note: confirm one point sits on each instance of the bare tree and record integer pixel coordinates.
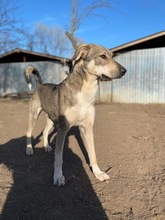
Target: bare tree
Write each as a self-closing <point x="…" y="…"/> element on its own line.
<point x="8" y="25"/>
<point x="79" y="15"/>
<point x="49" y="40"/>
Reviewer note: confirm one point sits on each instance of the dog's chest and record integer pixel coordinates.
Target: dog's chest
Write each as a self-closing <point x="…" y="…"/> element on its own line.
<point x="79" y="111"/>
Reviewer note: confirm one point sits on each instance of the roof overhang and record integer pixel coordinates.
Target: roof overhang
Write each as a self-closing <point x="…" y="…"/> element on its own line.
<point x="19" y="55"/>
<point x="152" y="41"/>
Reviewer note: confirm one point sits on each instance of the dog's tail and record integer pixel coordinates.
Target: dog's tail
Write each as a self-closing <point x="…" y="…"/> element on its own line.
<point x="28" y="72"/>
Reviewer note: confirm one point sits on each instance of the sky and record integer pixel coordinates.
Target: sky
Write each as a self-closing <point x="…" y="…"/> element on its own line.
<point x="126" y="21"/>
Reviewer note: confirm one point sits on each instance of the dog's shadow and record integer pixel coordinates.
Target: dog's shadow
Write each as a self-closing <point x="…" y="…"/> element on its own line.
<point x="28" y="191"/>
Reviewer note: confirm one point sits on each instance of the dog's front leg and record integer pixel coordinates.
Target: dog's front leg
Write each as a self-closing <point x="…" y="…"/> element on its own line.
<point x="86" y="131"/>
<point x="58" y="178"/>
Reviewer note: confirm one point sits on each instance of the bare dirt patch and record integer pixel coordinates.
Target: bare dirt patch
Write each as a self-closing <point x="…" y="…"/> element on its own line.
<point x="130" y="146"/>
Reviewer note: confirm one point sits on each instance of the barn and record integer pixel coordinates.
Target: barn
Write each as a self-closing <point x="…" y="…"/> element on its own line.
<point x="12" y="64"/>
<point x="144" y="81"/>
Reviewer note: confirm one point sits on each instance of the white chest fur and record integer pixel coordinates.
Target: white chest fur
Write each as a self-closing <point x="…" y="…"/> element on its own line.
<point x="85" y="98"/>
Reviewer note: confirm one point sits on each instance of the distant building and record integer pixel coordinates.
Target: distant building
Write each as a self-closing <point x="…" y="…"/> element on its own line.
<point x="53" y="69"/>
<point x="144" y="81"/>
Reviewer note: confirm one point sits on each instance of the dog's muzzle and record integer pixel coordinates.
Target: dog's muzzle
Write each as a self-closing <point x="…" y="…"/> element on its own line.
<point x="107" y="78"/>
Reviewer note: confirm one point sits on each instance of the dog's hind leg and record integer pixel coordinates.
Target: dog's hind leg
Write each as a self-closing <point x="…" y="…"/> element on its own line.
<point x="49" y="126"/>
<point x="34" y="111"/>
<point x="86" y="131"/>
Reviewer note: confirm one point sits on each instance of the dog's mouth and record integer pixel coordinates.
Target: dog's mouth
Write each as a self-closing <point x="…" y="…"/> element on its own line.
<point x="104" y="78"/>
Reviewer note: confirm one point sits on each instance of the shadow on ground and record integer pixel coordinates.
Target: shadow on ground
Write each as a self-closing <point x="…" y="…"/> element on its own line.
<point x="32" y="195"/>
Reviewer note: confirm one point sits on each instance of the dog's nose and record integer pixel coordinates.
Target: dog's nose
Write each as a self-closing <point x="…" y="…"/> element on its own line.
<point x="123" y="71"/>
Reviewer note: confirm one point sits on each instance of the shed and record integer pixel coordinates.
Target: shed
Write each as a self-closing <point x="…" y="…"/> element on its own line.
<point x="144" y="81"/>
<point x="12" y="65"/>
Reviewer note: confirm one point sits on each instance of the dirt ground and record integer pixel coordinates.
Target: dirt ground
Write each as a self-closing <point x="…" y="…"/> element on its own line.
<point x="130" y="146"/>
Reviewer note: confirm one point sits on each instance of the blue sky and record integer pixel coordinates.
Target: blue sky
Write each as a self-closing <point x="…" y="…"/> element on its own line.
<point x="128" y="20"/>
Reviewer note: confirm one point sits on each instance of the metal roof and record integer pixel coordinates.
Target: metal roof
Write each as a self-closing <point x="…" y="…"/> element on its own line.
<point x="151" y="41"/>
<point x="20" y="55"/>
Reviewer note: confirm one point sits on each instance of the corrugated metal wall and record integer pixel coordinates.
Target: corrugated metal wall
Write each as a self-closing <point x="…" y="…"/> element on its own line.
<point x="12" y="75"/>
<point x="144" y="81"/>
<point x="105" y="92"/>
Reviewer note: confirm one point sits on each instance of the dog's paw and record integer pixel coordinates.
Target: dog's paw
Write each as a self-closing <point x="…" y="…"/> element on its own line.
<point x="102" y="176"/>
<point x="29" y="151"/>
<point x="59" y="181"/>
<point x="48" y="148"/>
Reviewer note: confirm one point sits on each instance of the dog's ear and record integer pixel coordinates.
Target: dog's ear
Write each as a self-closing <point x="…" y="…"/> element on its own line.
<point x="81" y="53"/>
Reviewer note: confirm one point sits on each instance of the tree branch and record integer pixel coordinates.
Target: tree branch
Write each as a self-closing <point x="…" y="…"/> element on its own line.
<point x="72" y="39"/>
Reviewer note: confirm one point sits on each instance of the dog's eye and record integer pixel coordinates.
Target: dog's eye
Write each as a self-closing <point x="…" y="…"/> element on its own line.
<point x="103" y="56"/>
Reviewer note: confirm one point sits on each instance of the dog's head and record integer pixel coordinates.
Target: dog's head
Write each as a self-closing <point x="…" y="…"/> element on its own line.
<point x="97" y="60"/>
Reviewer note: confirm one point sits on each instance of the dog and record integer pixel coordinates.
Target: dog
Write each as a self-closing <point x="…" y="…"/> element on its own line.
<point x="71" y="103"/>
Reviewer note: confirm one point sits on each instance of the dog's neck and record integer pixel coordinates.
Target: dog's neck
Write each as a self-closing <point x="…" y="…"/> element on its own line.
<point x="85" y="73"/>
<point x="81" y="80"/>
<point x="90" y="82"/>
